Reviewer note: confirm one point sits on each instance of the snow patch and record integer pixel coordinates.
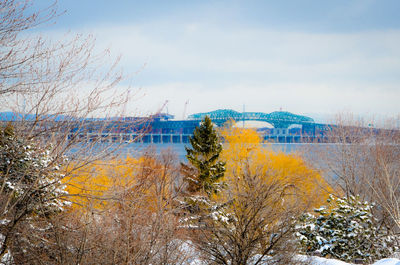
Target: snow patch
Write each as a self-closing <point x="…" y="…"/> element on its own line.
<point x="390" y="261"/>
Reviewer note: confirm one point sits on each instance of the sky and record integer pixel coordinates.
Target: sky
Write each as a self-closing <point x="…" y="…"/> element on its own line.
<point x="308" y="57"/>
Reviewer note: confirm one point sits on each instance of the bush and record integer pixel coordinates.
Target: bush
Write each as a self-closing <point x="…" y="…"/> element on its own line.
<point x="344" y="230"/>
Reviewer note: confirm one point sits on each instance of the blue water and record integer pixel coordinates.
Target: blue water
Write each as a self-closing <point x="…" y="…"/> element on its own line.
<point x="137" y="149"/>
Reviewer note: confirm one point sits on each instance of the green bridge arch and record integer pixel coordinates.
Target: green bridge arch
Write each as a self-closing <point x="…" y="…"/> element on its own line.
<point x="278" y="119"/>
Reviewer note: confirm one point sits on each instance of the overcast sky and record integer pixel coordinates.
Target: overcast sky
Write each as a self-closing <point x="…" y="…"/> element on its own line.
<point x="304" y="56"/>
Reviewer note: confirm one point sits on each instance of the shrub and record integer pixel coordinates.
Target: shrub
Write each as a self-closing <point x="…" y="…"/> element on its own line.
<point x="345" y="230"/>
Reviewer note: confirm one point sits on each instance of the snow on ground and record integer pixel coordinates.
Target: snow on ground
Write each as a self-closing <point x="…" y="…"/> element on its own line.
<point x="388" y="262"/>
<point x="324" y="261"/>
<point x="320" y="261"/>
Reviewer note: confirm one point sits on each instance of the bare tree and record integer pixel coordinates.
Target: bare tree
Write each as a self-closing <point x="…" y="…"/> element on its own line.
<point x="364" y="161"/>
<point x="385" y="178"/>
<point x="56" y="89"/>
<point x="18" y="53"/>
<point x="139" y="224"/>
<point x="54" y="86"/>
<point x="254" y="225"/>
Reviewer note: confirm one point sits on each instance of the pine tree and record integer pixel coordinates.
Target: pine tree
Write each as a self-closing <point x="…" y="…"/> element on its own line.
<point x="345" y="230"/>
<point x="205" y="169"/>
<point x="30" y="192"/>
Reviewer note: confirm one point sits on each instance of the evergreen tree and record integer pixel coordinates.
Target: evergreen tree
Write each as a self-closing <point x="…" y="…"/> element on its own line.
<point x="345" y="230"/>
<point x="30" y="192"/>
<point x="205" y="169"/>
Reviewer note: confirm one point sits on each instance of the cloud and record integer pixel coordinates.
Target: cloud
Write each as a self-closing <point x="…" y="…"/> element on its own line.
<point x="218" y="66"/>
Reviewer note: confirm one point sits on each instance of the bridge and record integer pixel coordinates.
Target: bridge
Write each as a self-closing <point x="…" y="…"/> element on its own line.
<point x="162" y="128"/>
<point x="278" y="119"/>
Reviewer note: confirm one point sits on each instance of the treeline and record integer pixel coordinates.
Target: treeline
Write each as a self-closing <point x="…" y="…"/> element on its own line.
<point x="237" y="203"/>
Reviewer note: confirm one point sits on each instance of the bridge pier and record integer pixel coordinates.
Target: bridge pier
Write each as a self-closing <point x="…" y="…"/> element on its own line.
<point x="277" y="135"/>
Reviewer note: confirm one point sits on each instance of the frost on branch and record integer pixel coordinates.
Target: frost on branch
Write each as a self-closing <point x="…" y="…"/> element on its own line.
<point x="345" y="230"/>
<point x="29" y="175"/>
<point x="30" y="188"/>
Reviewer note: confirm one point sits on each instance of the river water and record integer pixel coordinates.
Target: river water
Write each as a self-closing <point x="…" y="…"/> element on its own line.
<point x="137" y="149"/>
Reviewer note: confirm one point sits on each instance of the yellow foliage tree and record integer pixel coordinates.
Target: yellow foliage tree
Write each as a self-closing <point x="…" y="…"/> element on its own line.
<point x="89" y="185"/>
<point x="105" y="183"/>
<point x="245" y="151"/>
<point x="126" y="210"/>
<point x="255" y="214"/>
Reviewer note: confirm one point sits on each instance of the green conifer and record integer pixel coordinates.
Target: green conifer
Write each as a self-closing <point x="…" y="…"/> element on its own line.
<point x="345" y="229"/>
<point x="205" y="169"/>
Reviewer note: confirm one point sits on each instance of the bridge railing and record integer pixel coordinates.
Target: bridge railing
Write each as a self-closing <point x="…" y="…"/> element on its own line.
<point x="151" y="138"/>
<point x="158" y="138"/>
